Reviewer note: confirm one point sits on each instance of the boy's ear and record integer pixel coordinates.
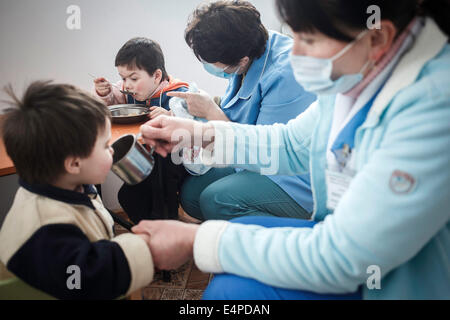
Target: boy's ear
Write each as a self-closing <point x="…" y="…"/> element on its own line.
<point x="158" y="75"/>
<point x="72" y="165"/>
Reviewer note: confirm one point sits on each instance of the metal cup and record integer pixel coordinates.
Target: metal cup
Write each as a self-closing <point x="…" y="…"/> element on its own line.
<point x="131" y="161"/>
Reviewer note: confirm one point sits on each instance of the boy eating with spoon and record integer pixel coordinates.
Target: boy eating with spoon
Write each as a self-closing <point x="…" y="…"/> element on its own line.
<point x="140" y="63"/>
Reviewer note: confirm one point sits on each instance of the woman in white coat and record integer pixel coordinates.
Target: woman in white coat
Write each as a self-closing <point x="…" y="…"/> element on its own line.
<point x="377" y="146"/>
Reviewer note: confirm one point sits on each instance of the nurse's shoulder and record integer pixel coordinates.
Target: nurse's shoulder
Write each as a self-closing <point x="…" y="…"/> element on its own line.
<point x="278" y="77"/>
<point x="431" y="86"/>
<point x="279" y="46"/>
<point x="437" y="72"/>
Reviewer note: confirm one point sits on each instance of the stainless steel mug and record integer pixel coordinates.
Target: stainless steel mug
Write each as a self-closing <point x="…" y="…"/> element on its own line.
<point x="131" y="161"/>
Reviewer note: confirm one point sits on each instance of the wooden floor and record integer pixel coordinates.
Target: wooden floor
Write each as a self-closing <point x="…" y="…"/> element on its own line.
<point x="186" y="283"/>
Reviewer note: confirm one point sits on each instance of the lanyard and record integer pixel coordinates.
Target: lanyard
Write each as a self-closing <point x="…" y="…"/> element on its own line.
<point x="345" y="141"/>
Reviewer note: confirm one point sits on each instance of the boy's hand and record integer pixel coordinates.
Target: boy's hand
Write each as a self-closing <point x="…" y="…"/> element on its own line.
<point x="158" y="111"/>
<point x="146" y="238"/>
<point x="102" y="86"/>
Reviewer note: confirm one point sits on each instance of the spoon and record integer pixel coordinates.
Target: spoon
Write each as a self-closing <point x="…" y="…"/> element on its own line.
<point x="121" y="91"/>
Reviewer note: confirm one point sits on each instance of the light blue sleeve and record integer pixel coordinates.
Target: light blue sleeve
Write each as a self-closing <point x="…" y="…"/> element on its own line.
<point x="279" y="149"/>
<point x="374" y="224"/>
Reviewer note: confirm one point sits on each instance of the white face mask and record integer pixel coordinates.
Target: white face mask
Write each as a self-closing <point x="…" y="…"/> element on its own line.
<point x="314" y="74"/>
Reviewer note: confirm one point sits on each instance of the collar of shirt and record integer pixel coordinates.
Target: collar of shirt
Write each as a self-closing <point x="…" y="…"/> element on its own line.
<point x="67" y="196"/>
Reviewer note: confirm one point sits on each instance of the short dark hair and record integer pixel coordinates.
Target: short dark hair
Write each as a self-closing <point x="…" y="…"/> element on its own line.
<point x="226" y="31"/>
<point x="49" y="124"/>
<point x="142" y="53"/>
<point x="335" y="18"/>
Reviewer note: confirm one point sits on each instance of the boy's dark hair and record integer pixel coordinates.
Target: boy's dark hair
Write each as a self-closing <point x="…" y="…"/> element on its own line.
<point x="142" y="53"/>
<point x="226" y="31"/>
<point x="334" y="17"/>
<point x="49" y="124"/>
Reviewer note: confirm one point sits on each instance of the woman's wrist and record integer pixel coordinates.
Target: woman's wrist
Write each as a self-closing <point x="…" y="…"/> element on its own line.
<point x="208" y="133"/>
<point x="216" y="113"/>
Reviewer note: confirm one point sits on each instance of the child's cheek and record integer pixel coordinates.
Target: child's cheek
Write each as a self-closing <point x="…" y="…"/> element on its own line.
<point x="140" y="86"/>
<point x="144" y="87"/>
<point x="109" y="162"/>
<point x="106" y="164"/>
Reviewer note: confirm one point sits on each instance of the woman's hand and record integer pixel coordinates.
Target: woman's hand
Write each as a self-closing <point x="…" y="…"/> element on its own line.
<point x="169" y="134"/>
<point x="102" y="86"/>
<point x="201" y="105"/>
<point x="171" y="242"/>
<point x="158" y="111"/>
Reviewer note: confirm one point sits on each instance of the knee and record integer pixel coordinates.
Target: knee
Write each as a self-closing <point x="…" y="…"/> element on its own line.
<point x="206" y="203"/>
<point x="217" y="204"/>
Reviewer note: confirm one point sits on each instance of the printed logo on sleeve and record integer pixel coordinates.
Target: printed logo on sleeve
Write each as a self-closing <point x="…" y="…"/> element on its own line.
<point x="402" y="182"/>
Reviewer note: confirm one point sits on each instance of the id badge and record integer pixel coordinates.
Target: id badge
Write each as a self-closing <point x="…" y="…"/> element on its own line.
<point x="337" y="186"/>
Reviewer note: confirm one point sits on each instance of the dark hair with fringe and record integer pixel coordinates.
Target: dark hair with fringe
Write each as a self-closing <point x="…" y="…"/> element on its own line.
<point x="144" y="54"/>
<point x="50" y="123"/>
<point x="334" y="17"/>
<point x="226" y="31"/>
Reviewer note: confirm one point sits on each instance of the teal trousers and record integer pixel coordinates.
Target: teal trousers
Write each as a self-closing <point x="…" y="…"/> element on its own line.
<point x="223" y="194"/>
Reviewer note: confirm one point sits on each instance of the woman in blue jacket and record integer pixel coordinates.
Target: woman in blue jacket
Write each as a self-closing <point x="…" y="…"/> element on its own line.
<point x="231" y="42"/>
<point x="377" y="146"/>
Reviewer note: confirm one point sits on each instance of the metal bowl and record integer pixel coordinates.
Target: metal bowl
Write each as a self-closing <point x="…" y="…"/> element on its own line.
<point x="129" y="113"/>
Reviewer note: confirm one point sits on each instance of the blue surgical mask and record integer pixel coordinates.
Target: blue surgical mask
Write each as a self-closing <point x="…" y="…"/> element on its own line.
<point x="314" y="74"/>
<point x="218" y="72"/>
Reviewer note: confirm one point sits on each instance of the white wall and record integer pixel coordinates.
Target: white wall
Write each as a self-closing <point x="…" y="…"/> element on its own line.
<point x="36" y="44"/>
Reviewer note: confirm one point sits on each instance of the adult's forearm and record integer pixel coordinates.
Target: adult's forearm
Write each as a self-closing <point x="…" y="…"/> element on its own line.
<point x="217" y="114"/>
<point x="263" y="149"/>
